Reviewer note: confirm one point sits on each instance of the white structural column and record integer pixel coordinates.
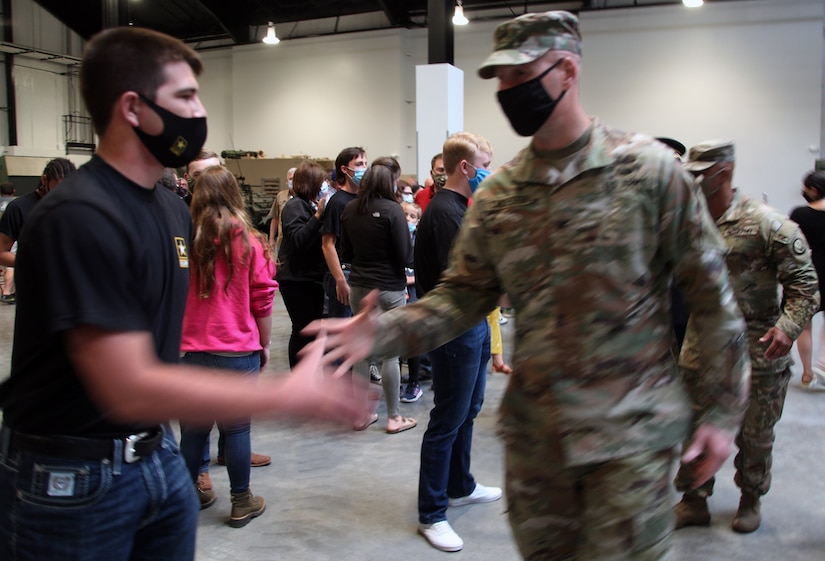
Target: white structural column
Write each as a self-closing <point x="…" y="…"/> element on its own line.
<point x="822" y="87"/>
<point x="439" y="111"/>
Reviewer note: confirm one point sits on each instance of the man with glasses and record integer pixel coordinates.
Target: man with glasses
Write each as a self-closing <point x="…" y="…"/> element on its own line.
<point x="766" y="250"/>
<point x="584" y="230"/>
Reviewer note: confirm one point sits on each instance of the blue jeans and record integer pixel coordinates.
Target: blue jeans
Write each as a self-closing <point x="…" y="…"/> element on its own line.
<point x="459" y="379"/>
<point x="112" y="511"/>
<point x="238" y="447"/>
<point x="335" y="309"/>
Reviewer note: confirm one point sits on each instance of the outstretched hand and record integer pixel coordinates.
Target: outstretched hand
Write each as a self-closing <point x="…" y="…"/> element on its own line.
<point x="313" y="393"/>
<point x="348" y="340"/>
<point x="708" y="450"/>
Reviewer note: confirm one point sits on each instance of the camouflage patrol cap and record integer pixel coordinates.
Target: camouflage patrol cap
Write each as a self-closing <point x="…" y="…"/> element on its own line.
<point x="529" y="36"/>
<point x="709" y="153"/>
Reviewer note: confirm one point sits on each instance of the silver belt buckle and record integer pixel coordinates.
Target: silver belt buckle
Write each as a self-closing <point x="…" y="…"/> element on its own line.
<point x="129" y="454"/>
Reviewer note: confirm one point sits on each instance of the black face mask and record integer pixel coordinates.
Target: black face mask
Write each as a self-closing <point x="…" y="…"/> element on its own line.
<point x="528" y="105"/>
<point x="180" y="141"/>
<point x="807" y="197"/>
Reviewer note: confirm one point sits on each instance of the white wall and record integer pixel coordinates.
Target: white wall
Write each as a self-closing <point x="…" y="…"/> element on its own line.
<point x="44" y="91"/>
<point x="313" y="96"/>
<point x="750" y="71"/>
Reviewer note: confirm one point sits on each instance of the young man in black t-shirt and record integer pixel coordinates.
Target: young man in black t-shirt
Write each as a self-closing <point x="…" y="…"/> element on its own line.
<point x="460" y="365"/>
<point x="85" y="448"/>
<point x="350" y="166"/>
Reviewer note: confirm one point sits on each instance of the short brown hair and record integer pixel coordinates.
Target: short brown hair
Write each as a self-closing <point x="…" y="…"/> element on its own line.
<point x="123" y="59"/>
<point x="202" y="155"/>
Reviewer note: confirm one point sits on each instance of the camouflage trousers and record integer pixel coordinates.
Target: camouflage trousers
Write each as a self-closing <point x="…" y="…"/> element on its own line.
<point x="755" y="437"/>
<point x="611" y="511"/>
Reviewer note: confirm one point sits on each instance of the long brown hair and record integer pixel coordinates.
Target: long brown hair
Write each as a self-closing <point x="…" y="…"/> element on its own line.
<point x="217" y="212"/>
<point x="378" y="183"/>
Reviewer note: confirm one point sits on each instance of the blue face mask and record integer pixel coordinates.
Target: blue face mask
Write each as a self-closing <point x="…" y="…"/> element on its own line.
<point x="407" y="198"/>
<point x="411" y="226"/>
<point x="481" y="173"/>
<point x="357" y="175"/>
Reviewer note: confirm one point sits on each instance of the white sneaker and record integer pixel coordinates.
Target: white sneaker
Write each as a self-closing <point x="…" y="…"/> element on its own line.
<point x="480" y="494"/>
<point x="441" y="536"/>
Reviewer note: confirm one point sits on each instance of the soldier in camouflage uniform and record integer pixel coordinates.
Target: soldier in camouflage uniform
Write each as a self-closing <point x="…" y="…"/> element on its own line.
<point x="766" y="250"/>
<point x="583" y="230"/>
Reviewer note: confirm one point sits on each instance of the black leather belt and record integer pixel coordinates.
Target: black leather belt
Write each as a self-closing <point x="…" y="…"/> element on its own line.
<point x="135" y="446"/>
<point x="346" y="267"/>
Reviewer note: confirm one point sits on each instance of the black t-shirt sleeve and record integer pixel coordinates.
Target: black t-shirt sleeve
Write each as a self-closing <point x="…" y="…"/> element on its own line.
<point x="99" y="287"/>
<point x="332" y="216"/>
<point x="12" y="220"/>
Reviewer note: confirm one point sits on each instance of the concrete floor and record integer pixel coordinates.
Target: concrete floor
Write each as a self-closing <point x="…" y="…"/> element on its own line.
<point x="335" y="494"/>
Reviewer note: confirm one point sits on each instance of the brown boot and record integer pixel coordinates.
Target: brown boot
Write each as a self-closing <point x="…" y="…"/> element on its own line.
<point x="692" y="510"/>
<point x="255" y="460"/>
<point x="245" y="507"/>
<point x="747" y="518"/>
<point x="204" y="488"/>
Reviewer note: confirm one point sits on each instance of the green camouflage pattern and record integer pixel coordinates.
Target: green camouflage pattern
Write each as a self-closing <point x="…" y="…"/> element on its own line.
<point x="766" y="250"/>
<point x="615" y="510"/>
<point x="708" y="154"/>
<point x="586" y="254"/>
<point x="527" y="37"/>
<point x="755" y="438"/>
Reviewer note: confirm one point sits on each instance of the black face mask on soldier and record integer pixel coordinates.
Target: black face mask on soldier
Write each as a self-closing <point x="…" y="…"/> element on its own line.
<point x="528" y="105"/>
<point x="181" y="140"/>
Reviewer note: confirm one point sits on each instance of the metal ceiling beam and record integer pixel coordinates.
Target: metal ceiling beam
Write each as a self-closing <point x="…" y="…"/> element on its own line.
<point x="114" y="13"/>
<point x="232" y="19"/>
<point x="440" y="35"/>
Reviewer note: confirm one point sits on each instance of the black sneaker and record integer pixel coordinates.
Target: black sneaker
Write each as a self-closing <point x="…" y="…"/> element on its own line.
<point x="375" y="374"/>
<point x="411" y="393"/>
<point x="8" y="298"/>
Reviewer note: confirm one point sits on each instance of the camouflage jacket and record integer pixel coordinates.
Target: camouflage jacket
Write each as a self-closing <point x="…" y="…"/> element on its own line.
<point x="766" y="249"/>
<point x="586" y="255"/>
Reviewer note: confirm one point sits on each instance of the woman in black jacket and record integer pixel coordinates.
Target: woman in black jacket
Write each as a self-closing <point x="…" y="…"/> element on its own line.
<point x="301" y="265"/>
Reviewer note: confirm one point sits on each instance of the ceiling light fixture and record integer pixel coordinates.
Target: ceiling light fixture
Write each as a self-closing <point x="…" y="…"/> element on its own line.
<point x="271" y="38"/>
<point x="692" y="3"/>
<point x="458" y="16"/>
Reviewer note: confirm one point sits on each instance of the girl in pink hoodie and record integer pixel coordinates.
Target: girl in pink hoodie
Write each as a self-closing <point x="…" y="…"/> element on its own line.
<point x="228" y="318"/>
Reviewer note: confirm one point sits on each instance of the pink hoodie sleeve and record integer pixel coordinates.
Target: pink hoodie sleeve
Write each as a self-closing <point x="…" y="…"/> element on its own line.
<point x="262" y="284"/>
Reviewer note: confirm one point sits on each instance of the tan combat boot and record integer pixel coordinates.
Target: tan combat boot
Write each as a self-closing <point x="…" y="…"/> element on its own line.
<point x="747" y="518"/>
<point x="245" y="507"/>
<point x="692" y="510"/>
<point x="203" y="486"/>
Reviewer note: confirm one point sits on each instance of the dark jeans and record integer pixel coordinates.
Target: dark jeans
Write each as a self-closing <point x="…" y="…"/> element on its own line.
<point x="53" y="507"/>
<point x="459" y="379"/>
<point x="335" y="308"/>
<point x="304" y="301"/>
<point x="236" y="434"/>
